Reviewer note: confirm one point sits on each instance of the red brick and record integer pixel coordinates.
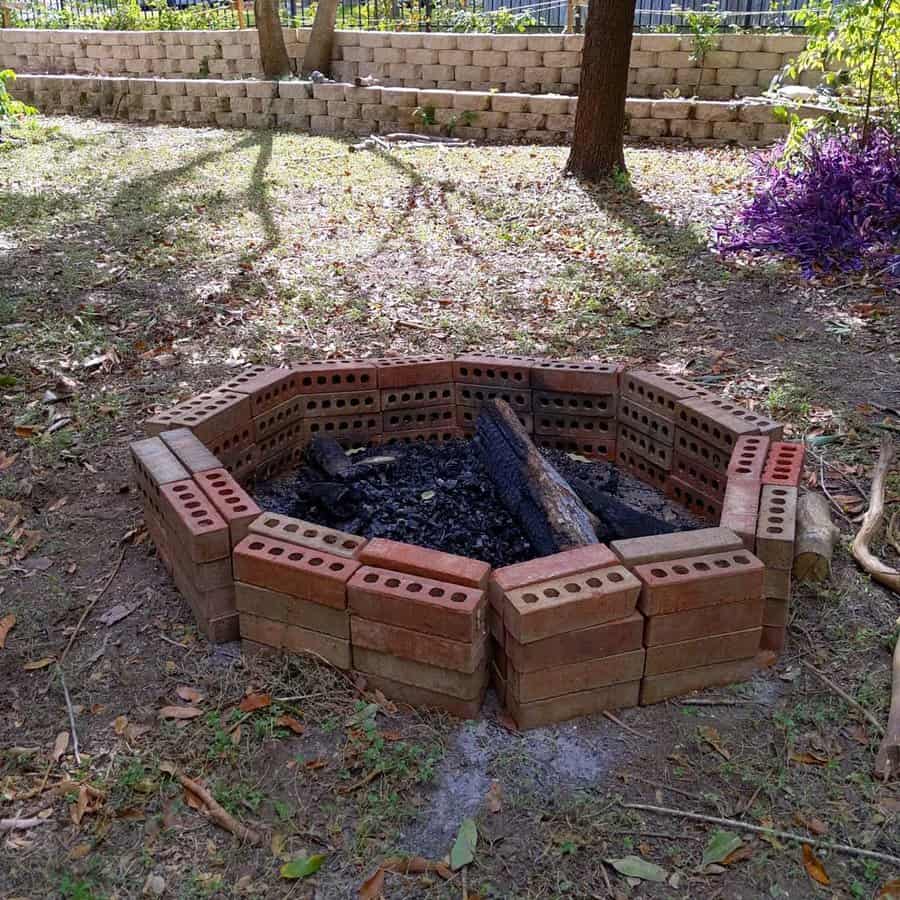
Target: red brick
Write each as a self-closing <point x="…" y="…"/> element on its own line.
<point x="423" y="604"/>
<point x="425" y="418"/>
<point x="693" y="447"/>
<point x="298" y="571"/>
<point x="589" y="428"/>
<point x="773" y="638"/>
<point x="645" y="420"/>
<point x="571" y="706"/>
<point x="638" y="442"/>
<point x="703" y="480"/>
<point x="576" y="377"/>
<point x="155" y="464"/>
<point x="462" y="685"/>
<point x="461" y="656"/>
<point x="290" y="437"/>
<point x="242" y="465"/>
<point x="425" y="436"/>
<point x="287" y="458"/>
<point x="207" y="415"/>
<point x="221" y="629"/>
<point x="475" y="395"/>
<point x="641" y="468"/>
<point x="703" y="621"/>
<point x="205" y="576"/>
<point x="201" y="530"/>
<point x="590" y="449"/>
<point x="415" y="560"/>
<point x="293" y="639"/>
<point x="571" y="602"/>
<point x="502" y="371"/>
<point x="776" y="612"/>
<point x="777" y="583"/>
<point x="694" y="581"/>
<point x="257" y="601"/>
<point x="694" y="501"/>
<point x="422" y="698"/>
<point x="657" y="391"/>
<point x="418" y="396"/>
<point x="277" y="418"/>
<point x="412" y="371"/>
<point x="608" y="639"/>
<point x="678" y="544"/>
<point x="266" y="387"/>
<point x="226" y="445"/>
<point x="307" y="534"/>
<point x="495" y="625"/>
<point x="674" y="684"/>
<point x="740" y="509"/>
<point x="498" y="655"/>
<point x="748" y="457"/>
<point x="546" y="568"/>
<point x="191" y="452"/>
<point x="777" y="526"/>
<point x="231" y="501"/>
<point x="702" y="651"/>
<point x="498" y="683"/>
<point x="343" y="428"/>
<point x="551" y="403"/>
<point x="587" y="675"/>
<point x="334" y="375"/>
<point x="784" y="464"/>
<point x="205" y="604"/>
<point x="720" y="422"/>
<point x="345" y="403"/>
<point x="467" y="416"/>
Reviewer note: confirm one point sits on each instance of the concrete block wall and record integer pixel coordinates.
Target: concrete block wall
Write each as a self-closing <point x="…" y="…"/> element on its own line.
<point x="742" y="65"/>
<point x="503" y="118"/>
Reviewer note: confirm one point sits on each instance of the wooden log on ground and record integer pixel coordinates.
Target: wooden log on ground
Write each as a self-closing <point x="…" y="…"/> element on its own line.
<point x="329" y="456"/>
<point x="549" y="511"/>
<point x="887" y="760"/>
<point x="617" y="519"/>
<point x="816" y="537"/>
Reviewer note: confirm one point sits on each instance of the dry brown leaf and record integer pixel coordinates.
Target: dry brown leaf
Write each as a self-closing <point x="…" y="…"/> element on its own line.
<point x="7" y="461"/>
<point x="252" y="702"/>
<point x="6" y="624"/>
<point x="710" y="736"/>
<point x="811" y="823"/>
<point x="290" y="722"/>
<point x="79" y="852"/>
<point x="392" y="736"/>
<point x="809" y="759"/>
<point x="189" y="694"/>
<point x="494" y="798"/>
<point x="179" y="712"/>
<point x="416" y="865"/>
<point x="738" y="855"/>
<point x="387" y="705"/>
<point x="279" y="842"/>
<point x="120" y="723"/>
<point x="317" y="763"/>
<point x="236" y="736"/>
<point x="814" y="867"/>
<point x="39" y="663"/>
<point x="133" y="732"/>
<point x="57" y="504"/>
<point x="192" y="800"/>
<point x="890" y="891"/>
<point x="373" y="886"/>
<point x="60" y="745"/>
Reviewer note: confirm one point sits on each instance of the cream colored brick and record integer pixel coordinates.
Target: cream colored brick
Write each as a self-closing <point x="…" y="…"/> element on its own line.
<point x="741" y="43"/>
<point x="573" y="42"/>
<point x="638" y="109"/>
<point x="469" y="132"/>
<point x="438" y="73"/>
<point x="757" y="112"/>
<point x="491" y="58"/>
<point x="235" y="88"/>
<point x="405" y="72"/>
<point x="357" y="54"/>
<point x="549" y="105"/>
<point x="545" y="43"/>
<point x="571" y="76"/>
<point x="455" y="57"/>
<point x="439" y="42"/>
<point x="765" y="76"/>
<point x="310" y="107"/>
<point x="773" y="132"/>
<point x="342" y="109"/>
<point x="736" y="77"/>
<point x="524" y="58"/>
<point x="674" y="59"/>
<point x="472" y="73"/>
<point x="295" y="90"/>
<point x="721" y="59"/>
<point x="561" y="123"/>
<point x="759" y="60"/>
<point x="542" y="75"/>
<point x="654" y="75"/>
<point x="695" y="76"/>
<point x="690" y="128"/>
<point x="480" y="42"/>
<point x="648" y="128"/>
<point x="470" y="100"/>
<point x="406" y="40"/>
<point x="388" y="55"/>
<point x="324" y="125"/>
<point x="507" y="74"/>
<point x="561" y="59"/>
<point x="712" y="111"/>
<point x="373" y="39"/>
<point x="717" y="92"/>
<point x="436" y="99"/>
<point x="522" y="121"/>
<point x="660" y="43"/>
<point x="671" y="109"/>
<point x="424" y="57"/>
<point x="739" y="132"/>
<point x="510" y="42"/>
<point x="363" y="94"/>
<point x="328" y="91"/>
<point x="784" y="43"/>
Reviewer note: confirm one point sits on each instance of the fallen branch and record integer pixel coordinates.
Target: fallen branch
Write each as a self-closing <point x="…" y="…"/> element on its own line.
<point x="880" y="571"/>
<point x="607" y="714"/>
<point x="845" y="697"/>
<point x="773" y="832"/>
<point x="71" y="712"/>
<point x="887" y="760"/>
<point x="816" y="537"/>
<point x="222" y="818"/>
<point x="21" y="824"/>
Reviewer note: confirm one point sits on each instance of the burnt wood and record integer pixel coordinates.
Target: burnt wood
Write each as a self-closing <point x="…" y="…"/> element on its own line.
<point x="618" y="520"/>
<point x="328" y="455"/>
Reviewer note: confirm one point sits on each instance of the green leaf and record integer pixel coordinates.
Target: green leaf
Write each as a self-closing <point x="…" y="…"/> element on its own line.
<point x="635" y="867"/>
<point x="721" y="845"/>
<point x="302" y="866"/>
<point x="463" y="851"/>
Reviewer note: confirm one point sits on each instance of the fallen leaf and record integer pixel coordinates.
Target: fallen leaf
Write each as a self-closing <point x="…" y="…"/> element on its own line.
<point x="133" y="732"/>
<point x="372" y="887"/>
<point x="277" y="844"/>
<point x="303" y="866"/>
<point x="179" y="712"/>
<point x="812" y="824"/>
<point x="189" y="694"/>
<point x="252" y="702"/>
<point x="809" y="759"/>
<point x="79" y="852"/>
<point x="463" y="851"/>
<point x="120" y="723"/>
<point x="290" y="722"/>
<point x="39" y="663"/>
<point x="635" y="867"/>
<point x="318" y="763"/>
<point x="814" y="867"/>
<point x="494" y="798"/>
<point x="57" y="504"/>
<point x="890" y="891"/>
<point x="739" y="855"/>
<point x="710" y="736"/>
<point x="236" y="736"/>
<point x="415" y="865"/>
<point x="6" y="624"/>
<point x="60" y="745"/>
<point x="7" y="461"/>
<point x="721" y="845"/>
<point x="118" y="612"/>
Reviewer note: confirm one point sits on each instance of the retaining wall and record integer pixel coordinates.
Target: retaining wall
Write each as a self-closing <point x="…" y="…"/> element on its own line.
<point x="742" y="65"/>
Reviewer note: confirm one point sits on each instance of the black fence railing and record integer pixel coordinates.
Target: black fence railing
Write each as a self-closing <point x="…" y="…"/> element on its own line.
<point x="384" y="15"/>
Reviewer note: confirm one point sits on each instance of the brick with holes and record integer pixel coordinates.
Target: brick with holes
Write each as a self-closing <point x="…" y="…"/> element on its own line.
<point x="332" y="376"/>
<point x="474" y="395"/>
<point x="552" y="403"/>
<point x="294" y="570"/>
<point x="193" y="454"/>
<point x="661" y="687"/>
<point x="641" y="468"/>
<point x="414" y="560"/>
<point x="155" y="464"/>
<point x="257" y="601"/>
<point x="660" y="455"/>
<point x="590" y="428"/>
<point x="307" y="534"/>
<point x="784" y="464"/>
<point x="290" y="437"/>
<point x="228" y="445"/>
<point x="695" y="581"/>
<point x="589" y="448"/>
<point x="416" y="396"/>
<point x="748" y="457"/>
<point x="467" y="418"/>
<point x="194" y="521"/>
<point x="231" y="501"/>
<point x="740" y="509"/>
<point x="692" y="447"/>
<point x="425" y="436"/>
<point x="777" y="527"/>
<point x="426" y="605"/>
<point x="343" y="403"/>
<point x="277" y="418"/>
<point x="412" y="371"/>
<point x="207" y="415"/>
<point x="705" y="481"/>
<point x="344" y="429"/>
<point x="424" y="418"/>
<point x="575" y="377"/>
<point x="691" y="499"/>
<point x="703" y="651"/>
<point x="569" y="603"/>
<point x="721" y="422"/>
<point x="677" y="544"/>
<point x="703" y="621"/>
<point x="538" y="713"/>
<point x="657" y="391"/>
<point x="265" y="387"/>
<point x="501" y="371"/>
<point x="645" y="420"/>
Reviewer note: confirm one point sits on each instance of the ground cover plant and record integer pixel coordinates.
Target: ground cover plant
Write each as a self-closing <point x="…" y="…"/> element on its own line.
<point x="140" y="265"/>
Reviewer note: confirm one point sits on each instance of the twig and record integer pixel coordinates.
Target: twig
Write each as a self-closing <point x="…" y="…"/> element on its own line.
<point x="607" y="714"/>
<point x="21" y="824"/>
<point x="759" y="829"/>
<point x="62" y="678"/>
<point x="222" y="818"/>
<point x="715" y="701"/>
<point x="827" y="493"/>
<point x="844" y="696"/>
<point x="92" y="604"/>
<point x="668" y="787"/>
<point x="169" y="640"/>
<point x="361" y="783"/>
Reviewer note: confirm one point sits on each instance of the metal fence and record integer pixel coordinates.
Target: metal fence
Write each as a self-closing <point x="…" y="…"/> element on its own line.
<point x="421" y="15"/>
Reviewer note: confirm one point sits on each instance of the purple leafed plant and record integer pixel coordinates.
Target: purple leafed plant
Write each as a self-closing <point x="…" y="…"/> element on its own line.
<point x="833" y="205"/>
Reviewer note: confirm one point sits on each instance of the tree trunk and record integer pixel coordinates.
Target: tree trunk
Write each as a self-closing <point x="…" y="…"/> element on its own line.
<point x="272" y="50"/>
<point x="816" y="537"/>
<point x="321" y="39"/>
<point x="597" y="145"/>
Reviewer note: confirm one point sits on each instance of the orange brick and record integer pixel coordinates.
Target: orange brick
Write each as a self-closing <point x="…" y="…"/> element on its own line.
<point x="657" y="391"/>
<point x="641" y="468"/>
<point x="417" y="396"/>
<point x="674" y="684"/>
<point x="475" y="395"/>
<point x="705" y="481"/>
<point x="191" y="452"/>
<point x="202" y="531"/>
<point x="291" y="437"/>
<point x="502" y="371"/>
<point x="570" y="706"/>
<point x="344" y="403"/>
<point x="589" y="428"/>
<point x="703" y="621"/>
<point x="702" y="651"/>
<point x="343" y="428"/>
<point x="659" y="547"/>
<point x="419" y="419"/>
<point x="467" y="417"/>
<point x="231" y="501"/>
<point x="694" y="501"/>
<point x="413" y="371"/>
<point x="425" y="436"/>
<point x="415" y="560"/>
<point x="277" y="418"/>
<point x="776" y="612"/>
<point x="498" y="683"/>
<point x="257" y="601"/>
<point x="221" y="629"/>
<point x="749" y="457"/>
<point x="773" y="638"/>
<point x="205" y="604"/>
<point x="784" y="464"/>
<point x="155" y="464"/>
<point x="421" y="697"/>
<point x="591" y="449"/>
<point x="331" y="376"/>
<point x="645" y="420"/>
<point x="690" y="446"/>
<point x="207" y="415"/>
<point x="551" y="403"/>
<point x="495" y="625"/>
<point x="576" y="377"/>
<point x="638" y="442"/>
<point x="740" y="509"/>
<point x="307" y="534"/>
<point x="777" y="526"/>
<point x="226" y="445"/>
<point x="265" y="387"/>
<point x="720" y="422"/>
<point x="587" y="675"/>
<point x="292" y="639"/>
<point x="777" y="583"/>
<point x="461" y="685"/>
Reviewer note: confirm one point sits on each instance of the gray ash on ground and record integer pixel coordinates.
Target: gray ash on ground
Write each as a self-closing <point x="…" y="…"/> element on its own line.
<point x="439" y="496"/>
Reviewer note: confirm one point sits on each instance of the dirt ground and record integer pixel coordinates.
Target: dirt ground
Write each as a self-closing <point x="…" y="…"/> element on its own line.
<point x="141" y="265"/>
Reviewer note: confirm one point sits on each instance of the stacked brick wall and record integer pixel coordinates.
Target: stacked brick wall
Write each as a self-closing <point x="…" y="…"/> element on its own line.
<point x="343" y="108"/>
<point x="741" y="65"/>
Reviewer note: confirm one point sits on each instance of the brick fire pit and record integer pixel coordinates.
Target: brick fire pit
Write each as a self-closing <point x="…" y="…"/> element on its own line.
<point x="577" y="632"/>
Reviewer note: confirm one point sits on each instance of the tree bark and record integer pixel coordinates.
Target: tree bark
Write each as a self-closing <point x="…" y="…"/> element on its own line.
<point x="816" y="537"/>
<point x="597" y="145"/>
<point x="321" y="39"/>
<point x="272" y="49"/>
<point x="887" y="761"/>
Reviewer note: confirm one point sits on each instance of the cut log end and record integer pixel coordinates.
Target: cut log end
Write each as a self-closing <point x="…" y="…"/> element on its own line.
<point x="816" y="537"/>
